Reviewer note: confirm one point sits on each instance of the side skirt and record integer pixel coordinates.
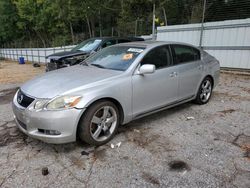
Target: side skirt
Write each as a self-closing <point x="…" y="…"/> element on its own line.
<point x="176" y="103"/>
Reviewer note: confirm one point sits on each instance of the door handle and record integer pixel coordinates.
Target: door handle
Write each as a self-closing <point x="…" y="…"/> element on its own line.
<point x="173" y="74"/>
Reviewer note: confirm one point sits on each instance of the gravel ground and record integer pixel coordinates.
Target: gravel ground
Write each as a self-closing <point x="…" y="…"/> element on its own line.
<point x="13" y="73"/>
<point x="161" y="150"/>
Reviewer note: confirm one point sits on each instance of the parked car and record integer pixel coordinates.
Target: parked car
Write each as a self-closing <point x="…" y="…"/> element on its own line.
<point x="116" y="85"/>
<point x="83" y="50"/>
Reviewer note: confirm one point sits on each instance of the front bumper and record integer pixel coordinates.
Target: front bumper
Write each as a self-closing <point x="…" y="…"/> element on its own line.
<point x="64" y="121"/>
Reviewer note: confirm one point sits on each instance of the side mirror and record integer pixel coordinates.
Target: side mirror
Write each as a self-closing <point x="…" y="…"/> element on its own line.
<point x="147" y="69"/>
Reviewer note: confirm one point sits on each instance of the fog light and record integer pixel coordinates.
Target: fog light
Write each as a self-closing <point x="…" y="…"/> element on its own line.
<point x="49" y="132"/>
<point x="52" y="132"/>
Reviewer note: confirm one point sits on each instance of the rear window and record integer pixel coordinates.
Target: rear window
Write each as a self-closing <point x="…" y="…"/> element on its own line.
<point x="185" y="54"/>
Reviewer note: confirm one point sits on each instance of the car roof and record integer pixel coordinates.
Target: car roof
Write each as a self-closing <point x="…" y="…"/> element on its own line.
<point x="152" y="43"/>
<point x="108" y="38"/>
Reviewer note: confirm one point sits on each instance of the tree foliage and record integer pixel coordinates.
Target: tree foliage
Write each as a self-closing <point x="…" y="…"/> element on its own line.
<point x="60" y="22"/>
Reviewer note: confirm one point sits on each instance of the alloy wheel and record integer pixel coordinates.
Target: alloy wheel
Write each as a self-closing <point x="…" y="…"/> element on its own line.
<point x="103" y="123"/>
<point x="206" y="89"/>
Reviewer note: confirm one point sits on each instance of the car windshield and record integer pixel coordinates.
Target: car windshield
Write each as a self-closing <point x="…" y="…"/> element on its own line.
<point x="88" y="45"/>
<point x="115" y="57"/>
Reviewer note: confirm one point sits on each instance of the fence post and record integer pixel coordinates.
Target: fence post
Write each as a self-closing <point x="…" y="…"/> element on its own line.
<point x="16" y="51"/>
<point x="3" y="51"/>
<point x="45" y="54"/>
<point x="31" y="51"/>
<point x="202" y="23"/>
<point x="8" y="52"/>
<point x="5" y="56"/>
<point x="21" y="51"/>
<point x="38" y="53"/>
<point x="32" y="56"/>
<point x="27" y="59"/>
<point x="12" y="51"/>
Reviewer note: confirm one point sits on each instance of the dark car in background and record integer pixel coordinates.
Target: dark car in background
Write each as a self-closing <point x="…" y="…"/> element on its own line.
<point x="83" y="50"/>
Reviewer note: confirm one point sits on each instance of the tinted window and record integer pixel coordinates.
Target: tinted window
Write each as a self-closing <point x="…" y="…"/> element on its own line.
<point x="185" y="54"/>
<point x="123" y="40"/>
<point x="160" y="57"/>
<point x="115" y="57"/>
<point x="108" y="43"/>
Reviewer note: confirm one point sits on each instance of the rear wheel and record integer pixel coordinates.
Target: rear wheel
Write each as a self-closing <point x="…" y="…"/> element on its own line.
<point x="204" y="92"/>
<point x="99" y="124"/>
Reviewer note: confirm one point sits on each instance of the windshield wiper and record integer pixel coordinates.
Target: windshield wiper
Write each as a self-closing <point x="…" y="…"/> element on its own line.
<point x="84" y="63"/>
<point x="99" y="66"/>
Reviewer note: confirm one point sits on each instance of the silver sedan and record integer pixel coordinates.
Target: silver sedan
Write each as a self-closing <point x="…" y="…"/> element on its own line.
<point x="119" y="84"/>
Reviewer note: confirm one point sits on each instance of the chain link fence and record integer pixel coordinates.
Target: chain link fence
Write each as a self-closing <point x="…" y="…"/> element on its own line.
<point x="220" y="27"/>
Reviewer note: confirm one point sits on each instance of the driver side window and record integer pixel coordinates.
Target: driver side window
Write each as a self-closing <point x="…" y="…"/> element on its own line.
<point x="159" y="56"/>
<point x="108" y="43"/>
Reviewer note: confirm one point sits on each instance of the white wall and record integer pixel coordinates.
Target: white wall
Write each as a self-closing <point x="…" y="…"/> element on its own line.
<point x="228" y="41"/>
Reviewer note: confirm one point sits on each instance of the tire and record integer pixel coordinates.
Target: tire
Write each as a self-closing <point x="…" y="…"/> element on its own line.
<point x="205" y="91"/>
<point x="99" y="123"/>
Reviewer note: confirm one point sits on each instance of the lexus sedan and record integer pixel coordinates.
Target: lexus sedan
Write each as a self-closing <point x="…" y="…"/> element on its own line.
<point x="116" y="85"/>
<point x="83" y="50"/>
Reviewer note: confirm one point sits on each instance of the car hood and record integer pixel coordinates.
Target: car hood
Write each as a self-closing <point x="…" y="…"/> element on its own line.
<point x="60" y="55"/>
<point x="63" y="80"/>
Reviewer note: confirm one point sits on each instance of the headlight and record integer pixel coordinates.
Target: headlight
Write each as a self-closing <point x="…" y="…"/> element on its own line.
<point x="63" y="102"/>
<point x="40" y="104"/>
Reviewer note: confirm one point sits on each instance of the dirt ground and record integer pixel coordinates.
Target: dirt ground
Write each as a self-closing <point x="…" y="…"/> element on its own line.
<point x="162" y="150"/>
<point x="12" y="72"/>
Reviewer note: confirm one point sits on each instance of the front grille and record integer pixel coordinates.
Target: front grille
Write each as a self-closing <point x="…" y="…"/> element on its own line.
<point x="23" y="99"/>
<point x="24" y="126"/>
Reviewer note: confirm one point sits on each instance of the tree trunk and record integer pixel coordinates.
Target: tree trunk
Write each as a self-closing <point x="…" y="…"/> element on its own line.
<point x="41" y="38"/>
<point x="72" y="32"/>
<point x="165" y="16"/>
<point x="92" y="22"/>
<point x="100" y="23"/>
<point x="90" y="33"/>
<point x="196" y="14"/>
<point x="122" y="5"/>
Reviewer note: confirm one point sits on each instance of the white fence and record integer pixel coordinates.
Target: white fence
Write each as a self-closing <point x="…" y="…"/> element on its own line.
<point x="31" y="54"/>
<point x="38" y="54"/>
<point x="228" y="41"/>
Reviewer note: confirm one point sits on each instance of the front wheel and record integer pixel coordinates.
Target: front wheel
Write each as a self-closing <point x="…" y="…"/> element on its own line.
<point x="99" y="124"/>
<point x="204" y="92"/>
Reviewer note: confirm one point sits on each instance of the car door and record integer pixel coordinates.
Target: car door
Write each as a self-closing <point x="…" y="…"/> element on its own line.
<point x="156" y="90"/>
<point x="187" y="60"/>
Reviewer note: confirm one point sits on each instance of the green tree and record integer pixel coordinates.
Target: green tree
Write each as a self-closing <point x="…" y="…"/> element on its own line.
<point x="8" y="20"/>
